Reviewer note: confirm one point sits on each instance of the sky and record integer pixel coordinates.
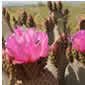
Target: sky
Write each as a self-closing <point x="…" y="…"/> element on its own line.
<point x="19" y="3"/>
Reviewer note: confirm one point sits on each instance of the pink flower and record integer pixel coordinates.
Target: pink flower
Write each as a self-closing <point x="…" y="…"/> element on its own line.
<point x="27" y="46"/>
<point x="78" y="41"/>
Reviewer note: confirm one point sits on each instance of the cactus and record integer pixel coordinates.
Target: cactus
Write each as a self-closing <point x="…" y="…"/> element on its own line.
<point x="7" y="21"/>
<point x="58" y="60"/>
<point x="49" y="25"/>
<point x="30" y="22"/>
<point x="24" y="17"/>
<point x="46" y="71"/>
<point x="29" y="74"/>
<point x="3" y="42"/>
<point x="15" y="22"/>
<point x="58" y="18"/>
<point x="82" y="25"/>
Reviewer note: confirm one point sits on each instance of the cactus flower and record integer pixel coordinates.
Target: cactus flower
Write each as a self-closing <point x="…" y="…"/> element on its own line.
<point x="78" y="41"/>
<point x="26" y="46"/>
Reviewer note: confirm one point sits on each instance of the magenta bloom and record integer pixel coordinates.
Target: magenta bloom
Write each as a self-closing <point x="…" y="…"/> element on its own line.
<point x="27" y="46"/>
<point x="78" y="41"/>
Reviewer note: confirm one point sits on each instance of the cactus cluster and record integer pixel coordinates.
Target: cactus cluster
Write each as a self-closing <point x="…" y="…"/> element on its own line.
<point x="58" y="17"/>
<point x="23" y="19"/>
